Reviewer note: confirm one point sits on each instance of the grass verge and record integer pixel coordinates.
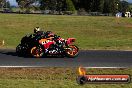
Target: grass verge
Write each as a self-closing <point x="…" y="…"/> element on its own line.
<point x="54" y="78"/>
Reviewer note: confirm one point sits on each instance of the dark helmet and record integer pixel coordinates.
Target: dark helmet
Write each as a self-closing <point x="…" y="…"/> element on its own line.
<point x="36" y="29"/>
<point x="49" y="33"/>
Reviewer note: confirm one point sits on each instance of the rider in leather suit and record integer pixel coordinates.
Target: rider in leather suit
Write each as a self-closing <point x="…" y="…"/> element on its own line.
<point x="47" y="34"/>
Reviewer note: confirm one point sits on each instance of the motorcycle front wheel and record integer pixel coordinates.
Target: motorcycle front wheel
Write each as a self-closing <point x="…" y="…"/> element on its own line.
<point x="71" y="51"/>
<point x="37" y="52"/>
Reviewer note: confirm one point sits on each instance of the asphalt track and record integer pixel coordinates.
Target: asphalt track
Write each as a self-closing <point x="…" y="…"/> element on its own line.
<point x="91" y="58"/>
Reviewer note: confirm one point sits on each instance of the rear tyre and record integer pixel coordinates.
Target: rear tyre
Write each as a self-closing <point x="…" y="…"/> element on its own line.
<point x="36" y="52"/>
<point x="72" y="51"/>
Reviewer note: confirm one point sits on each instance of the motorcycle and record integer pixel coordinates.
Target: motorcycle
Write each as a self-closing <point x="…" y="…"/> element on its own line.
<point x="40" y="46"/>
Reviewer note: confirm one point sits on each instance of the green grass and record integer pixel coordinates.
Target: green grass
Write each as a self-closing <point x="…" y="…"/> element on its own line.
<point x="54" y="78"/>
<point x="130" y="5"/>
<point x="91" y="32"/>
<point x="15" y="9"/>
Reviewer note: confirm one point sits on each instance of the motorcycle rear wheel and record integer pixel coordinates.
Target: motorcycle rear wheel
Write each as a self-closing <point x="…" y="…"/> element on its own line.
<point x="37" y="52"/>
<point x="19" y="50"/>
<point x="72" y="51"/>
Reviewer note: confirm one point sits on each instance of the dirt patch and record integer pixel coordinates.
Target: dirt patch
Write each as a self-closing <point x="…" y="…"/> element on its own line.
<point x="0" y="42"/>
<point x="128" y="25"/>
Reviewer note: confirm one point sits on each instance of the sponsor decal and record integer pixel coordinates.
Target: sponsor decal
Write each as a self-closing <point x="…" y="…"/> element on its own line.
<point x="101" y="78"/>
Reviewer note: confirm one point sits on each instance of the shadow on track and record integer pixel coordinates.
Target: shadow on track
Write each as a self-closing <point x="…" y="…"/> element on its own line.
<point x="13" y="53"/>
<point x="8" y="52"/>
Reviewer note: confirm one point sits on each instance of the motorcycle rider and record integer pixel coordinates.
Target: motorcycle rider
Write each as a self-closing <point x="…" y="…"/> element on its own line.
<point x="49" y="35"/>
<point x="36" y="29"/>
<point x="38" y="32"/>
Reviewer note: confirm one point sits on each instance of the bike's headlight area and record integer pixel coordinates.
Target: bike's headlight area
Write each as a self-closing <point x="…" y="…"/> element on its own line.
<point x="72" y="40"/>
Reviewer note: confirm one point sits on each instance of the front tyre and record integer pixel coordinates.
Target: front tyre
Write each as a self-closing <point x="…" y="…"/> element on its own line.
<point x="71" y="51"/>
<point x="37" y="52"/>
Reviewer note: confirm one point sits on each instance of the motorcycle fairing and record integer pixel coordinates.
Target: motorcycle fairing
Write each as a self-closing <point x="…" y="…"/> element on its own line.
<point x="70" y="41"/>
<point x="46" y="43"/>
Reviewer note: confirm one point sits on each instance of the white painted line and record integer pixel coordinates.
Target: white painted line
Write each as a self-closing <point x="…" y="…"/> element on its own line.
<point x="105" y="67"/>
<point x="46" y="67"/>
<point x="21" y="66"/>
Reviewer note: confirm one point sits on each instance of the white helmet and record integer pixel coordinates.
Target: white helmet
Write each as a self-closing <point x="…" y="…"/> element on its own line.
<point x="36" y="29"/>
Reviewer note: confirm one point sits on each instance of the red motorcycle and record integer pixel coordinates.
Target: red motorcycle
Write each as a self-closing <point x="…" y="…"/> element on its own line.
<point x="50" y="47"/>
